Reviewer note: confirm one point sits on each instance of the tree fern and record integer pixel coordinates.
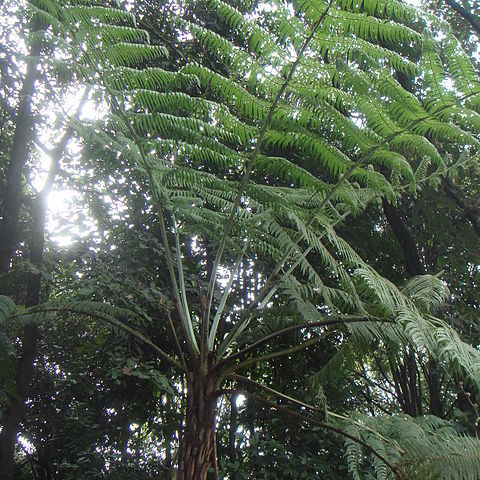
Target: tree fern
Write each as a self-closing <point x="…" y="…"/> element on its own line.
<point x="298" y="122"/>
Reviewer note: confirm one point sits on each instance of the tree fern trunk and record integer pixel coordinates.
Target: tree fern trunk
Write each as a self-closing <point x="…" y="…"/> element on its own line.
<point x="198" y="441"/>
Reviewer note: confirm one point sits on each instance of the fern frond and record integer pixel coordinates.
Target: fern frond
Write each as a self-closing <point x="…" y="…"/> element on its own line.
<point x="426" y="291"/>
<point x="93" y="15"/>
<point x="426" y="447"/>
<point x="7" y="308"/>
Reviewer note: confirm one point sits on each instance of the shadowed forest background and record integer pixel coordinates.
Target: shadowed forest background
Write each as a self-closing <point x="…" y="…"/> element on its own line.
<point x="239" y="240"/>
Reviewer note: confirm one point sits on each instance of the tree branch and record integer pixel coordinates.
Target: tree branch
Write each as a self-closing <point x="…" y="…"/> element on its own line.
<point x="278" y="394"/>
<point x="109" y="319"/>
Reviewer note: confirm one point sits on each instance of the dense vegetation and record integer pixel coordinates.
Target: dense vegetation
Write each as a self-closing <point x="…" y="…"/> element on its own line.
<point x="270" y="224"/>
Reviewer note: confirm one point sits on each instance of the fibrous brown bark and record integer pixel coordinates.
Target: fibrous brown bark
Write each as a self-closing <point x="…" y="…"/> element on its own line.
<point x="198" y="443"/>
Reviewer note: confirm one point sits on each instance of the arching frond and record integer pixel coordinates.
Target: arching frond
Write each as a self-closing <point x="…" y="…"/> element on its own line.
<point x="426" y="447"/>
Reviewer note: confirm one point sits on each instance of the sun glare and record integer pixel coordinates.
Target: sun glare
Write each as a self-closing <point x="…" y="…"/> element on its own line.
<point x="68" y="218"/>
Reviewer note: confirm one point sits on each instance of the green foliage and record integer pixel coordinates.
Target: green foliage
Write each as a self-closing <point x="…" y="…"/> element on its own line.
<point x="292" y="119"/>
<point x="427" y="448"/>
<point x="7" y="308"/>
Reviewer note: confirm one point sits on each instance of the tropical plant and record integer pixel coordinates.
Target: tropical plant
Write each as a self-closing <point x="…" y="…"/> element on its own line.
<point x="294" y="119"/>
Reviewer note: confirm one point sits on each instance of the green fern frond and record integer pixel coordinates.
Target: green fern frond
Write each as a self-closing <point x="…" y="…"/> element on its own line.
<point x="369" y="28"/>
<point x="129" y="54"/>
<point x="93" y="15"/>
<point x="154" y="79"/>
<point x="384" y="9"/>
<point x="426" y="291"/>
<point x="422" y="170"/>
<point x="426" y="447"/>
<point x="258" y="39"/>
<point x="46" y="13"/>
<point x="460" y="67"/>
<point x="7" y="308"/>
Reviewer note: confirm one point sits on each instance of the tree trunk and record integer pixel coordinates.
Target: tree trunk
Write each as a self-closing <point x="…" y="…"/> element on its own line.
<point x="412" y="260"/>
<point x="10" y="209"/>
<point x="22" y="137"/>
<point x="414" y="266"/>
<point x="232" y="451"/>
<point x="25" y="368"/>
<point x="8" y="437"/>
<point x="198" y="443"/>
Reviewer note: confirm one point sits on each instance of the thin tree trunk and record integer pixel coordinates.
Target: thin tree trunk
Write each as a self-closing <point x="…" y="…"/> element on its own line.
<point x="167" y="439"/>
<point x="198" y="443"/>
<point x="415" y="386"/>
<point x="232" y="451"/>
<point x="8" y="437"/>
<point x="22" y="137"/>
<point x="434" y="386"/>
<point x="25" y="368"/>
<point x="10" y="211"/>
<point x="400" y="385"/>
